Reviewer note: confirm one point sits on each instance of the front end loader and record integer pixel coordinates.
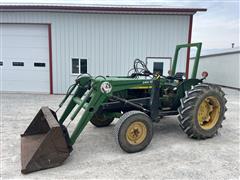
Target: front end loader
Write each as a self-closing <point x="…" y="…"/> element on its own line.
<point x="137" y="100"/>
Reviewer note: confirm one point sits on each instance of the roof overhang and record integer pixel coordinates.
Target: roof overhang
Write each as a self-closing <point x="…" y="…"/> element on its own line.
<point x="219" y="52"/>
<point x="120" y="9"/>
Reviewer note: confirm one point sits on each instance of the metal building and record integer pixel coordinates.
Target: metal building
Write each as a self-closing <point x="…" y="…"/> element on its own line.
<point x="222" y="66"/>
<point x="45" y="46"/>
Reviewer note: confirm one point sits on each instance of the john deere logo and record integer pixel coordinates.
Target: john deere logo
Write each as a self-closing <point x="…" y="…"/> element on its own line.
<point x="106" y="87"/>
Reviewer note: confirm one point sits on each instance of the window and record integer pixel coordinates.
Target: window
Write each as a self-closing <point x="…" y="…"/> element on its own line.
<point x="18" y="63"/>
<point x="79" y="66"/>
<point x="75" y="66"/>
<point x="38" y="64"/>
<point x="83" y="66"/>
<point x="1" y="63"/>
<point x="158" y="67"/>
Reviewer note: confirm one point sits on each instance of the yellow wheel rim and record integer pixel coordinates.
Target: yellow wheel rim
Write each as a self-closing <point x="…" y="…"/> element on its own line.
<point x="209" y="112"/>
<point x="136" y="133"/>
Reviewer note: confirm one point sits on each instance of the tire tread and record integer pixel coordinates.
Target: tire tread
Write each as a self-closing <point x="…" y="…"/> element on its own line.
<point x="188" y="104"/>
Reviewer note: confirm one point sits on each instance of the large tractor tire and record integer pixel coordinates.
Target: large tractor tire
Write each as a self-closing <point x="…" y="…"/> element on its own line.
<point x="133" y="131"/>
<point x="202" y="111"/>
<point x="100" y="120"/>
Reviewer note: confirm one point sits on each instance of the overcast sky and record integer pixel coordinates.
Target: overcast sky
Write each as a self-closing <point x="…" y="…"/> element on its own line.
<point x="217" y="28"/>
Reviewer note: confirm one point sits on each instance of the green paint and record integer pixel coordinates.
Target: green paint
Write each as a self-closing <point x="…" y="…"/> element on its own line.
<point x="197" y="57"/>
<point x="92" y="99"/>
<point x="81" y="103"/>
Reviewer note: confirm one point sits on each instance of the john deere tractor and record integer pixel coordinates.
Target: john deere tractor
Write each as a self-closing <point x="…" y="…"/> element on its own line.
<point x="136" y="100"/>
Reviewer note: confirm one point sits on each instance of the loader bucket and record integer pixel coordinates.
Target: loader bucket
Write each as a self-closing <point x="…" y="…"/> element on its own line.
<point x="45" y="143"/>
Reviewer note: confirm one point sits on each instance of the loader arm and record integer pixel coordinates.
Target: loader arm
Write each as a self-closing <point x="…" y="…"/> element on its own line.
<point x="91" y="99"/>
<point x="46" y="142"/>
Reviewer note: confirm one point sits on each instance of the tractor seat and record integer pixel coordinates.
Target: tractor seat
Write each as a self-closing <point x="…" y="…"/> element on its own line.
<point x="178" y="76"/>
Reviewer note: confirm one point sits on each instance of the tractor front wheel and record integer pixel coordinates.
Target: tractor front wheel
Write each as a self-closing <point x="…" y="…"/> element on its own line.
<point x="133" y="131"/>
<point x="202" y="111"/>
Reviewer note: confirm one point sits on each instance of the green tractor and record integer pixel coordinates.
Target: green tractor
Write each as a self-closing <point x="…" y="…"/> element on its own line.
<point x="138" y="100"/>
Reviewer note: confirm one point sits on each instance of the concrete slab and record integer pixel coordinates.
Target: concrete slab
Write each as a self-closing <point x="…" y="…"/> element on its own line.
<point x="170" y="155"/>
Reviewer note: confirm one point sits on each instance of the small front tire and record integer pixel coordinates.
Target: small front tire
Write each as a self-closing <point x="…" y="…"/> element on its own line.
<point x="133" y="131"/>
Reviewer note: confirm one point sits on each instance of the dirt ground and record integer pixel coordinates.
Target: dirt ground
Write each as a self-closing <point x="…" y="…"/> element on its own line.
<point x="171" y="155"/>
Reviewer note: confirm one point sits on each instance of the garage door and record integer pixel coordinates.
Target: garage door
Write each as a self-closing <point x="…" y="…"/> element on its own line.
<point x="24" y="58"/>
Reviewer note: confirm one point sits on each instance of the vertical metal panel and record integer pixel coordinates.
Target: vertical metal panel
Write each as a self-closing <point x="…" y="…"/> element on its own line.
<point x="110" y="42"/>
<point x="223" y="70"/>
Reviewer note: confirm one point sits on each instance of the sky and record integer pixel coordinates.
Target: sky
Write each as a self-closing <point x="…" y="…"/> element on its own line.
<point x="217" y="28"/>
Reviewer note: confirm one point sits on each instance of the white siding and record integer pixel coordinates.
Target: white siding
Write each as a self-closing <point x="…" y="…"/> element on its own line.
<point x="223" y="70"/>
<point x="110" y="42"/>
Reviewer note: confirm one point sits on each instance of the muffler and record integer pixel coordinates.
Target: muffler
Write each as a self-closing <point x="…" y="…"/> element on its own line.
<point x="45" y="143"/>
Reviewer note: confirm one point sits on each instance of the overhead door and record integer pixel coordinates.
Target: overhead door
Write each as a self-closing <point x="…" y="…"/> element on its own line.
<point x="24" y="58"/>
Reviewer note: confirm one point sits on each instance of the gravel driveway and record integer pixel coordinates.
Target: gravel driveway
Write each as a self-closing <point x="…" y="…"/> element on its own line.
<point x="171" y="155"/>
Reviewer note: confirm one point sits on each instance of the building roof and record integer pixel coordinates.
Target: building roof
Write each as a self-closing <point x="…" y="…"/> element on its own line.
<point x="219" y="52"/>
<point x="96" y="8"/>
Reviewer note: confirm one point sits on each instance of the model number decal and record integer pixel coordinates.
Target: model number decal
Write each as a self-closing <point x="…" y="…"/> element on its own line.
<point x="147" y="82"/>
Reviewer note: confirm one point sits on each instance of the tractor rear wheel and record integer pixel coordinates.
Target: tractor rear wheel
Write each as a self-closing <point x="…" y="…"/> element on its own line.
<point x="133" y="131"/>
<point x="202" y="111"/>
<point x="101" y="120"/>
